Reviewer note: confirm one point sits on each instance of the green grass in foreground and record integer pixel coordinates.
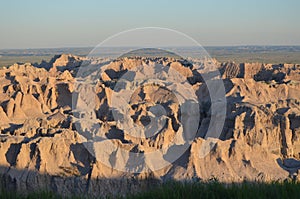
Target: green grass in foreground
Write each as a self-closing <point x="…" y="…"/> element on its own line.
<point x="201" y="190"/>
<point x="218" y="190"/>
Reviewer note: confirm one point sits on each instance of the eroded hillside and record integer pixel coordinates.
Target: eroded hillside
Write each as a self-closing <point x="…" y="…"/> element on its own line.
<point x="42" y="140"/>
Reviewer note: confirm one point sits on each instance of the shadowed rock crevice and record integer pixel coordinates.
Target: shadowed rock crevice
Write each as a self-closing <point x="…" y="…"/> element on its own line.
<point x="12" y="154"/>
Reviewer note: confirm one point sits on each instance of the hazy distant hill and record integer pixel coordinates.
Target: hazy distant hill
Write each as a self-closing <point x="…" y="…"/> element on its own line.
<point x="266" y="54"/>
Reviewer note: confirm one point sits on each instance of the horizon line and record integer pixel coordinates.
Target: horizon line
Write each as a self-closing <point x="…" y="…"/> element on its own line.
<point x="204" y="46"/>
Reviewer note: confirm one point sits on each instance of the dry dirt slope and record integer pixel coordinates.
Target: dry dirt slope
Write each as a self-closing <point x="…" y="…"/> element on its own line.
<point x="40" y="145"/>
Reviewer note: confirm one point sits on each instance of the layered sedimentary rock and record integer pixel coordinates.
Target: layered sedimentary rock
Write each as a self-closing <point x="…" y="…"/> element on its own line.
<point x="42" y="145"/>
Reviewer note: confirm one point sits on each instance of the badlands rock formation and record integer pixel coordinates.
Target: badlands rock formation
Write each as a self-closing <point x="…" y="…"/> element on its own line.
<point x="42" y="144"/>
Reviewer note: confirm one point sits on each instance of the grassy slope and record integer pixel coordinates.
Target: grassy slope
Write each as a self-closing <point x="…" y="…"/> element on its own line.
<point x="218" y="190"/>
<point x="201" y="190"/>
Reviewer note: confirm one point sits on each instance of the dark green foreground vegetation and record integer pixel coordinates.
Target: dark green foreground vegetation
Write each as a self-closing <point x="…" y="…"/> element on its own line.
<point x="200" y="190"/>
<point x="218" y="190"/>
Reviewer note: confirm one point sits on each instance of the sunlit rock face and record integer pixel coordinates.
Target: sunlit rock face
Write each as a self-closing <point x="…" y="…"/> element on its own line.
<point x="43" y="143"/>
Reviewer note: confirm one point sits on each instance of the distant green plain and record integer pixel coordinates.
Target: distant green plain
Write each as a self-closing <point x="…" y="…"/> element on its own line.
<point x="237" y="54"/>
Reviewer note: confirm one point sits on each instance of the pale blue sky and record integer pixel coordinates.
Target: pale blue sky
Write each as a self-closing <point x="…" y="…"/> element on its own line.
<point x="63" y="23"/>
